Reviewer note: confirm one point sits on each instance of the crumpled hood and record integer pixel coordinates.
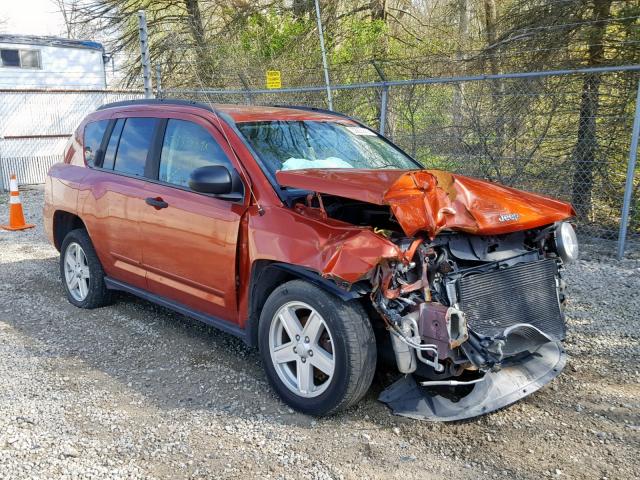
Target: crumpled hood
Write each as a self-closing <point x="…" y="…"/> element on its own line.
<point x="433" y="200"/>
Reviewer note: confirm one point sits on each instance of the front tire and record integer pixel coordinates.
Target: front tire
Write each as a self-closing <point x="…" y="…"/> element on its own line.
<point x="81" y="272"/>
<point x="318" y="351"/>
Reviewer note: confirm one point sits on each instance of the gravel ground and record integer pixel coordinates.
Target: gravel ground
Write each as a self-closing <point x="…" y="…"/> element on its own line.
<point x="135" y="391"/>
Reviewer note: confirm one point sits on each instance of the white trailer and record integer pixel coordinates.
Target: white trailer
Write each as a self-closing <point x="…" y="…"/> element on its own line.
<point x="33" y="62"/>
<point x="47" y="85"/>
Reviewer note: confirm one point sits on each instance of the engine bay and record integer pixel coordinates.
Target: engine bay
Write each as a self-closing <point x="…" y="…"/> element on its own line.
<point x="460" y="308"/>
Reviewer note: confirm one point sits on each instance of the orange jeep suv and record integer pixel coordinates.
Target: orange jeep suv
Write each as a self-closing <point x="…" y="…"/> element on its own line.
<point x="314" y="238"/>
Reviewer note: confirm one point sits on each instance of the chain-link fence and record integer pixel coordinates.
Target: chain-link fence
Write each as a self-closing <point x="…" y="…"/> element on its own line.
<point x="566" y="134"/>
<point x="35" y="126"/>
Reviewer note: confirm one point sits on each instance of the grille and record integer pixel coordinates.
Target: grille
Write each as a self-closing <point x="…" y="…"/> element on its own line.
<point x="523" y="293"/>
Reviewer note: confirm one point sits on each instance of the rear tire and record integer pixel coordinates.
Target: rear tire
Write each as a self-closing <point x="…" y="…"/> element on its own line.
<point x="81" y="272"/>
<point x="331" y="365"/>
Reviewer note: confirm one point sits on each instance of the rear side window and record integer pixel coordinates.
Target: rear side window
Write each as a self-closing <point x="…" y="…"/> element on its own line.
<point x="93" y="133"/>
<point x="134" y="144"/>
<point x="188" y="146"/>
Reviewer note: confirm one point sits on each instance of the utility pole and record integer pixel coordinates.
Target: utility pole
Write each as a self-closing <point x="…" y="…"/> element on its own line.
<point x="144" y="53"/>
<point x="324" y="55"/>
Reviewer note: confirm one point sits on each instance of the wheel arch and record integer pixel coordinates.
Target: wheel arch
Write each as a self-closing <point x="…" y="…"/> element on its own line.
<point x="267" y="275"/>
<point x="63" y="223"/>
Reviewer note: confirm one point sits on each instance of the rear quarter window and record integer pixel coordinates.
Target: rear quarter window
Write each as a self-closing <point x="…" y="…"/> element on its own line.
<point x="93" y="134"/>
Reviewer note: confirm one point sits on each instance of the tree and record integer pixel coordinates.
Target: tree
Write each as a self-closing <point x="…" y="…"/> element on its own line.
<point x="69" y="11"/>
<point x="463" y="39"/>
<point x="543" y="34"/>
<point x="586" y="150"/>
<point x="522" y="132"/>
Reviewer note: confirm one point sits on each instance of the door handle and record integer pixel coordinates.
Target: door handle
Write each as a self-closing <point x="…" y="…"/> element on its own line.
<point x="156" y="202"/>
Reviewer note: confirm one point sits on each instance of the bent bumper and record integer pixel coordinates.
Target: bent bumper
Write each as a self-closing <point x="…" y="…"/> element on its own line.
<point x="497" y="390"/>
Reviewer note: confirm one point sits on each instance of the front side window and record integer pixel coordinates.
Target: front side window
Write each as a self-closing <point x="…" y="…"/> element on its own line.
<point x="93" y="133"/>
<point x="294" y="145"/>
<point x="188" y="146"/>
<point x="135" y="140"/>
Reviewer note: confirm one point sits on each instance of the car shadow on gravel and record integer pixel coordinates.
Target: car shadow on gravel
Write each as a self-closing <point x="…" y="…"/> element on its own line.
<point x="170" y="359"/>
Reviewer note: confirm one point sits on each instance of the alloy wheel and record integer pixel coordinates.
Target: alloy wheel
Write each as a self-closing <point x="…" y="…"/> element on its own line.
<point x="301" y="348"/>
<point x="76" y="272"/>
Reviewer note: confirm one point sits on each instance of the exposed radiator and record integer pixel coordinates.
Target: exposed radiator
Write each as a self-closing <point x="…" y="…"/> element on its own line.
<point x="523" y="293"/>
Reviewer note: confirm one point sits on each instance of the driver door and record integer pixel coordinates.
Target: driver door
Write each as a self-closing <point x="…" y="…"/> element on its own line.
<point x="189" y="239"/>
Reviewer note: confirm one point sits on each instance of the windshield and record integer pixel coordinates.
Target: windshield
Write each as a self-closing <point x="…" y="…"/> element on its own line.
<point x="294" y="145"/>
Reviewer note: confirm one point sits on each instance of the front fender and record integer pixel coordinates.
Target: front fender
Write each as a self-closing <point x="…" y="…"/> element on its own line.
<point x="267" y="276"/>
<point x="319" y="281"/>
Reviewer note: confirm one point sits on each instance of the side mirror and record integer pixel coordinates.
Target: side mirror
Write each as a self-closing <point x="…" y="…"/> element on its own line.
<point x="215" y="179"/>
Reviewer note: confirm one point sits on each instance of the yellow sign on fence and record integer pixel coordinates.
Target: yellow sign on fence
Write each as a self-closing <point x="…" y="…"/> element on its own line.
<point x="273" y="79"/>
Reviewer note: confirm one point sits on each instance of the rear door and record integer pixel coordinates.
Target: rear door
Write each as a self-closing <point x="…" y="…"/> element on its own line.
<point x="190" y="239"/>
<point x="118" y="202"/>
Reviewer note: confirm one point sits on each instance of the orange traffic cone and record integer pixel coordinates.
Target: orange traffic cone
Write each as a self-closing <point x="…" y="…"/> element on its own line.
<point x="16" y="217"/>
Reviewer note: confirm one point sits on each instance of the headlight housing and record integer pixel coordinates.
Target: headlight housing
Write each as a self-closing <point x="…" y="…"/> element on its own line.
<point x="566" y="242"/>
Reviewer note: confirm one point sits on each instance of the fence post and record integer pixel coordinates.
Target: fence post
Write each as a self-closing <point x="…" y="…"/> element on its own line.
<point x="158" y="81"/>
<point x="324" y="56"/>
<point x="3" y="184"/>
<point x="631" y="168"/>
<point x="144" y="53"/>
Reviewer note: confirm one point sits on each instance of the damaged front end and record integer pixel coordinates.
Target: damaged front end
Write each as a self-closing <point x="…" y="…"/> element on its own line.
<point x="477" y="321"/>
<point x="471" y="293"/>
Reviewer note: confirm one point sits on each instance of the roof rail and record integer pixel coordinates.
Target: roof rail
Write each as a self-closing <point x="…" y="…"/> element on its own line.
<point x="316" y="109"/>
<point x="156" y="101"/>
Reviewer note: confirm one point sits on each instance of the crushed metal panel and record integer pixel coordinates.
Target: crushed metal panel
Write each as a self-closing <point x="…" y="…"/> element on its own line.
<point x="334" y="249"/>
<point x="357" y="184"/>
<point x="433" y="200"/>
<point x="497" y="390"/>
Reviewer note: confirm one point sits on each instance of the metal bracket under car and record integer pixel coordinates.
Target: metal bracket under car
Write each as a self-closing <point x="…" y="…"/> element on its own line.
<point x="496" y="390"/>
